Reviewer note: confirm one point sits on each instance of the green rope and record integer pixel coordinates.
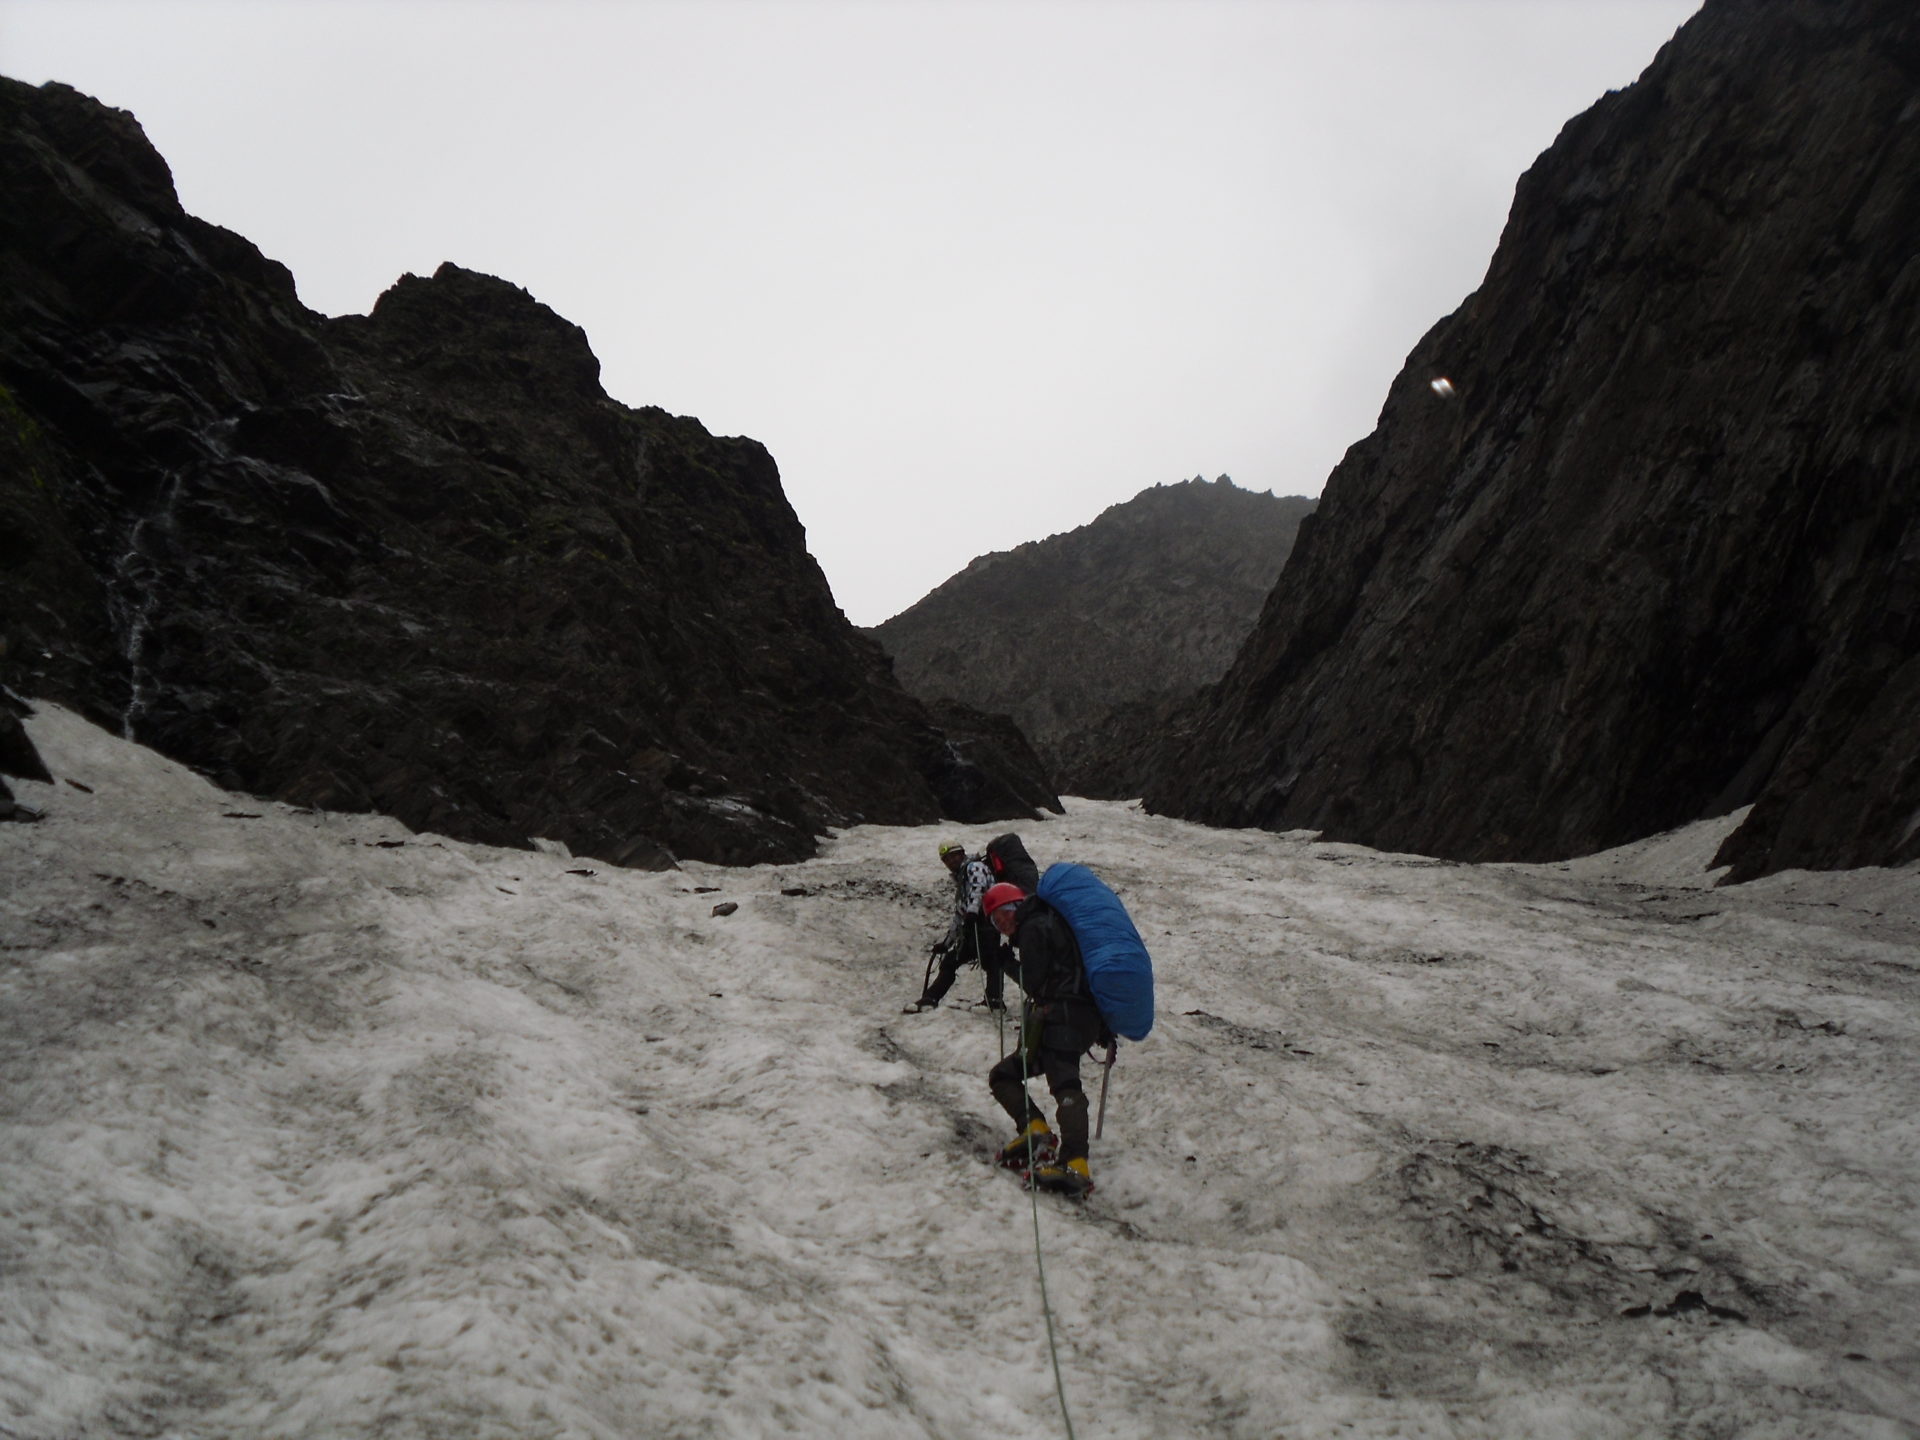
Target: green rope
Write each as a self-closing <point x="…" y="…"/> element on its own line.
<point x="1039" y="1260"/>
<point x="1001" y="1014"/>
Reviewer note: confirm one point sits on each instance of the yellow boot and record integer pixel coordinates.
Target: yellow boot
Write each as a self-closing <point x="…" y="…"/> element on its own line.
<point x="1031" y="1146"/>
<point x="1072" y="1178"/>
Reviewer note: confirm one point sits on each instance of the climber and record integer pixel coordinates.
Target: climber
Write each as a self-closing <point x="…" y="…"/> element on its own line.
<point x="968" y="937"/>
<point x="1059" y="1023"/>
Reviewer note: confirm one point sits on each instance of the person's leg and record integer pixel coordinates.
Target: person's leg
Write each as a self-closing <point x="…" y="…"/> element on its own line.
<point x="1007" y="1081"/>
<point x="1069" y="1103"/>
<point x="950" y="964"/>
<point x="1067" y="1171"/>
<point x="988" y="941"/>
<point x="1032" y="1143"/>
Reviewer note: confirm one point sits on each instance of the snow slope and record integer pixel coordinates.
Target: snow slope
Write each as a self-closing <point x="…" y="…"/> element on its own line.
<point x="315" y="1127"/>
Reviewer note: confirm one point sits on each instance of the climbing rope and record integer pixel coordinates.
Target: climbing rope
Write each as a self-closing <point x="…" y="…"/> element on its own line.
<point x="1000" y="1015"/>
<point x="1039" y="1260"/>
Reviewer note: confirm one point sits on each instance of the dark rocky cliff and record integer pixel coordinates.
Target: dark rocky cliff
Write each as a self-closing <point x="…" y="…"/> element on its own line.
<point x="1658" y="559"/>
<point x="1149" y="602"/>
<point x="414" y="561"/>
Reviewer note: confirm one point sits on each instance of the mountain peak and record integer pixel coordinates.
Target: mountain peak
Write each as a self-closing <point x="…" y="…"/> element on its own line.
<point x="1151" y="598"/>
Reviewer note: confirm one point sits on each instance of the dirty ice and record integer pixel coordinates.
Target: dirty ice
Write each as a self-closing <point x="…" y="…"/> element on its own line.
<point x="311" y="1126"/>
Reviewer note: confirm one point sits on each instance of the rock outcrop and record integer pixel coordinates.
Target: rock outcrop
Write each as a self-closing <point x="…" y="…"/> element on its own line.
<point x="1657" y="558"/>
<point x="415" y="561"/>
<point x="1118" y="756"/>
<point x="18" y="758"/>
<point x="1147" y="603"/>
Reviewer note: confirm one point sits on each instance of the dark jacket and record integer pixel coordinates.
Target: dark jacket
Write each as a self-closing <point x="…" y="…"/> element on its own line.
<point x="1064" y="1019"/>
<point x="1049" y="963"/>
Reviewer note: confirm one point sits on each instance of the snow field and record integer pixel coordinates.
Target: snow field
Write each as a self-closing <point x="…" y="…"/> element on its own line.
<point x="312" y="1126"/>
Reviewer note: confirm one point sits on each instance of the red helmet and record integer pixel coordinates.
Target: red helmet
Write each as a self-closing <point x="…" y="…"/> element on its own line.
<point x="999" y="895"/>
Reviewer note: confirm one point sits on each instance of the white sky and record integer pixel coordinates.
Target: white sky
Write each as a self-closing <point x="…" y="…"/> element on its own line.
<point x="971" y="271"/>
<point x="313" y="1127"/>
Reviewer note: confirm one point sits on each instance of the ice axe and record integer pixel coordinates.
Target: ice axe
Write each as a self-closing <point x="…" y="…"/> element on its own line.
<point x="934" y="956"/>
<point x="1106" y="1078"/>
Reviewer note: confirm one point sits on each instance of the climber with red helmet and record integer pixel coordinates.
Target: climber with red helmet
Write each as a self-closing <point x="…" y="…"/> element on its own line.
<point x="1059" y="1023"/>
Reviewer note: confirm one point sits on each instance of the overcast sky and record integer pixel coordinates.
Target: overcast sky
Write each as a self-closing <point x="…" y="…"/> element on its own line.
<point x="972" y="270"/>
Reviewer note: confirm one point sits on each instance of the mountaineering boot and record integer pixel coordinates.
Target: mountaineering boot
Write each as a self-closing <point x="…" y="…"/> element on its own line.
<point x="921" y="1004"/>
<point x="1034" y="1145"/>
<point x="1072" y="1179"/>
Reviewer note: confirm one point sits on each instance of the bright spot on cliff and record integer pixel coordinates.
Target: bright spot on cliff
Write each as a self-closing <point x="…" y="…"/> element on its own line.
<point x="1443" y="387"/>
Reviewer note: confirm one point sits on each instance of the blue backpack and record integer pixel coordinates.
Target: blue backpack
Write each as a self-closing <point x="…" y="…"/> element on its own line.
<point x="1119" y="970"/>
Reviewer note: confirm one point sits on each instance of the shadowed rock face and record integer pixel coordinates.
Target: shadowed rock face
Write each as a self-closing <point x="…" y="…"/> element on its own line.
<point x="1658" y="557"/>
<point x="17" y="757"/>
<point x="1149" y="601"/>
<point x="414" y="561"/>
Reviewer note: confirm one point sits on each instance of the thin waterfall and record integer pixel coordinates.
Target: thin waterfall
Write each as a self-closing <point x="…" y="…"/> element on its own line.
<point x="135" y="590"/>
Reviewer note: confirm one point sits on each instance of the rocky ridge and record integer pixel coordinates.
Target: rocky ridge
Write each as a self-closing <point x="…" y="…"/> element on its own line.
<point x="415" y="561"/>
<point x="1076" y="634"/>
<point x="1658" y="556"/>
